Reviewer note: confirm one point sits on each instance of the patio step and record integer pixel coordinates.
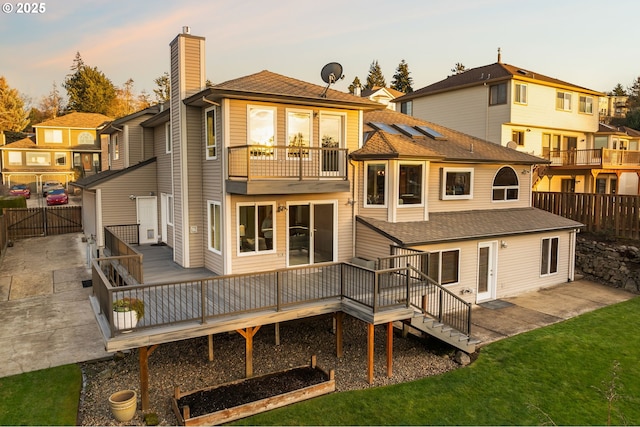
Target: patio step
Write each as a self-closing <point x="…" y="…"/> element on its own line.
<point x="444" y="333"/>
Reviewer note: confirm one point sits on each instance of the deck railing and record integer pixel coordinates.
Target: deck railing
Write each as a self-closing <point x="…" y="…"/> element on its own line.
<point x="262" y="162"/>
<point x="602" y="157"/>
<point x="123" y="256"/>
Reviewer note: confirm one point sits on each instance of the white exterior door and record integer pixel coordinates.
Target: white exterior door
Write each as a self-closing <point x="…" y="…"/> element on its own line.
<point x="487" y="266"/>
<point x="147" y="213"/>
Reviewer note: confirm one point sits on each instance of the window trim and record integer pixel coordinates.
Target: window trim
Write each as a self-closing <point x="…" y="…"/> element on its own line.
<point x="115" y="147"/>
<point x="443" y="184"/>
<point x="211" y="223"/>
<point x="549" y="256"/>
<point x="506" y="188"/>
<point x="257" y="225"/>
<point x="44" y="154"/>
<point x="586" y="98"/>
<point x="168" y="146"/>
<point x="498" y="98"/>
<point x="422" y="184"/>
<point x="519" y="90"/>
<point x="439" y="278"/>
<point x="54" y="133"/>
<point x="306" y="156"/>
<point x="13" y="162"/>
<point x="57" y="155"/>
<point x="520" y="140"/>
<point x="564" y="107"/>
<point x="207" y="144"/>
<point x="170" y="218"/>
<point x="86" y="135"/>
<point x="251" y="107"/>
<point x="386" y="184"/>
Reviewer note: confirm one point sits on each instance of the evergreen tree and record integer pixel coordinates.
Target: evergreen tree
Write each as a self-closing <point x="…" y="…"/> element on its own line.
<point x="402" y="80"/>
<point x="375" y="77"/>
<point x="634" y="94"/>
<point x="618" y="90"/>
<point x="356" y="83"/>
<point x="163" y="92"/>
<point x="88" y="89"/>
<point x="13" y="116"/>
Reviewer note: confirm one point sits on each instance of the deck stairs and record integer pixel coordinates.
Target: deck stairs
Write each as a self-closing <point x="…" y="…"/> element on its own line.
<point x="443" y="332"/>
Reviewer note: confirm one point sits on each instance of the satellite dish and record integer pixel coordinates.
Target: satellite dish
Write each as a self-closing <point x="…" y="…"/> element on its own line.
<point x="512" y="144"/>
<point x="331" y="73"/>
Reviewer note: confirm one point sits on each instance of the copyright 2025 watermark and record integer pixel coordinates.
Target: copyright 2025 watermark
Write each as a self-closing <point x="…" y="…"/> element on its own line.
<point x="24" y="8"/>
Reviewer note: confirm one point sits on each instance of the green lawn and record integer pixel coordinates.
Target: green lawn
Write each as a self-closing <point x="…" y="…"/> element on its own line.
<point x="561" y="374"/>
<point x="48" y="397"/>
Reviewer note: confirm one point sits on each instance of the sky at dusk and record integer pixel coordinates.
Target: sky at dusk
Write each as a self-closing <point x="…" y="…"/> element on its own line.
<point x="590" y="43"/>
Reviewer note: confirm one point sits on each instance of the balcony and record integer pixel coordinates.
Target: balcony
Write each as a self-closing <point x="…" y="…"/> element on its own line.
<point x="600" y="158"/>
<point x="260" y="169"/>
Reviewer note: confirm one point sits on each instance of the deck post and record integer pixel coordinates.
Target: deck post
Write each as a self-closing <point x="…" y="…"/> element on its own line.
<point x="277" y="330"/>
<point x="389" y="349"/>
<point x="370" y="341"/>
<point x="339" y="318"/>
<point x="210" y="348"/>
<point x="248" y="335"/>
<point x="144" y="377"/>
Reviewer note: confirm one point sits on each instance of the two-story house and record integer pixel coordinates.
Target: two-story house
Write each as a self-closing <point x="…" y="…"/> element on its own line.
<point x="65" y="148"/>
<point x="523" y="109"/>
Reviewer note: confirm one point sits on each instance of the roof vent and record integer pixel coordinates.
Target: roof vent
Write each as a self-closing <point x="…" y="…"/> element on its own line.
<point x="186" y="30"/>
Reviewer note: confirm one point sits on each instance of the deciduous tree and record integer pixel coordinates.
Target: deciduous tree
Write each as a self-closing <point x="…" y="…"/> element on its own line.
<point x="51" y="105"/>
<point x="402" y="80"/>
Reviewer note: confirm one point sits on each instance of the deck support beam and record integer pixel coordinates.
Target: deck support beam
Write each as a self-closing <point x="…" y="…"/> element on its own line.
<point x="248" y="335"/>
<point x="210" y="339"/>
<point x="339" y="321"/>
<point x="389" y="349"/>
<point x="370" y="341"/>
<point x="143" y="356"/>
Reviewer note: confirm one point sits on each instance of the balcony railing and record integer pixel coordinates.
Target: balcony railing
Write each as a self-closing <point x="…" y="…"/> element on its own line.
<point x="261" y="162"/>
<point x="597" y="157"/>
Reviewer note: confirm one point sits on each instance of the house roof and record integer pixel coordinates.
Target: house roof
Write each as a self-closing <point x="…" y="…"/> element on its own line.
<point x="21" y="143"/>
<point x="451" y="146"/>
<point x="101" y="177"/>
<point x="488" y="74"/>
<point x="468" y="225"/>
<point x="368" y="92"/>
<point x="269" y="86"/>
<point x="607" y="129"/>
<point x="77" y="120"/>
<point x="114" y="125"/>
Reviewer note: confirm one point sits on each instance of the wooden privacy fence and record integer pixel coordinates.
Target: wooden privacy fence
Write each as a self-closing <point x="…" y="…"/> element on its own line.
<point x="618" y="215"/>
<point x="47" y="221"/>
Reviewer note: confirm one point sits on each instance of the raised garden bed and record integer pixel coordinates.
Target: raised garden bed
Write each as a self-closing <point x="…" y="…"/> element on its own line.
<point x="243" y="398"/>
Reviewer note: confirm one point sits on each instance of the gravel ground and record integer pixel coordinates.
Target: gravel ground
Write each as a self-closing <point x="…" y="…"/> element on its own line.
<point x="185" y="364"/>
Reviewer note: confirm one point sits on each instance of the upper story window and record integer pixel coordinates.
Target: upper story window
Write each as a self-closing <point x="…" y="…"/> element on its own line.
<point x="298" y="133"/>
<point x="167" y="138"/>
<point x="115" y="147"/>
<point x="261" y="130"/>
<point x="332" y="138"/>
<point x="563" y="101"/>
<point x="256" y="227"/>
<point x="53" y="135"/>
<point x="60" y="159"/>
<point x="457" y="183"/>
<point x="505" y="185"/>
<point x="85" y="138"/>
<point x="35" y="158"/>
<point x="376" y="184"/>
<point x="210" y="123"/>
<point x="498" y="94"/>
<point x="407" y="108"/>
<point x="586" y="105"/>
<point x="15" y="158"/>
<point x="520" y="94"/>
<point x="517" y="136"/>
<point x="215" y="227"/>
<point x="410" y="184"/>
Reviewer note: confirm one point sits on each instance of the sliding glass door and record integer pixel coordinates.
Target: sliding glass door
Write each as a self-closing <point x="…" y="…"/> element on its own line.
<point x="311" y="233"/>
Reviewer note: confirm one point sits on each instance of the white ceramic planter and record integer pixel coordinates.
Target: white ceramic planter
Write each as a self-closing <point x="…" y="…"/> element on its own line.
<point x="125" y="320"/>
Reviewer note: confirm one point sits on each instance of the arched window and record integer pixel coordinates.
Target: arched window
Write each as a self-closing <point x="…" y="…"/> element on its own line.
<point x="85" y="138"/>
<point x="505" y="185"/>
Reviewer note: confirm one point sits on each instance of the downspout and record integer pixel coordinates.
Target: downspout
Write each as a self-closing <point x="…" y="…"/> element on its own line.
<point x="352" y="202"/>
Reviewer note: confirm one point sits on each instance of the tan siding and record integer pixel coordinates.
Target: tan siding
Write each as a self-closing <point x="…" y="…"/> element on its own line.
<point x="89" y="226"/>
<point x="370" y="244"/>
<point x="196" y="205"/>
<point x="212" y="174"/>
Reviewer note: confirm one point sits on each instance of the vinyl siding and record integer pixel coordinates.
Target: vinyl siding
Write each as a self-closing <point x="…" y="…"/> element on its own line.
<point x="196" y="205"/>
<point x="213" y="177"/>
<point x="371" y="245"/>
<point x="163" y="161"/>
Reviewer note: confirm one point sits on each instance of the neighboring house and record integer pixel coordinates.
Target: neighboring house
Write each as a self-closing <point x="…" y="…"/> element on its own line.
<point x="617" y="151"/>
<point x="464" y="201"/>
<point x="512" y="106"/>
<point x="613" y="107"/>
<point x="383" y="95"/>
<point x="64" y="149"/>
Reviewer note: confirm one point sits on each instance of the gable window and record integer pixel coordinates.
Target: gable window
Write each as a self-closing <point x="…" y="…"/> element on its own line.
<point x="457" y="183"/>
<point x="15" y="158"/>
<point x="520" y="95"/>
<point x="406" y="108"/>
<point x="210" y="120"/>
<point x="53" y="135"/>
<point x="298" y="133"/>
<point x="498" y="94"/>
<point x="505" y="185"/>
<point x="60" y="159"/>
<point x="586" y="105"/>
<point x="38" y="159"/>
<point x="410" y="184"/>
<point x="256" y="227"/>
<point x="563" y="101"/>
<point x="444" y="266"/>
<point x="517" y="136"/>
<point x="167" y="138"/>
<point x="85" y="138"/>
<point x="375" y="183"/>
<point x="549" y="260"/>
<point x="215" y="227"/>
<point x="261" y="130"/>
